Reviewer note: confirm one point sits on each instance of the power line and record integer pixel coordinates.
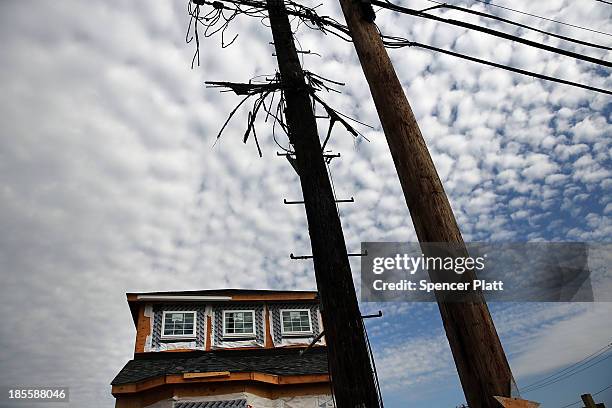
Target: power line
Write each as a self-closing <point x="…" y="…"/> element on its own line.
<point x="571" y="374"/>
<point x="600" y="391"/>
<point x="331" y="26"/>
<point x="504" y="20"/>
<point x="573" y="403"/>
<point x="400" y="42"/>
<point x="564" y="377"/>
<point x="604" y="1"/>
<point x="594" y="394"/>
<point x="543" y="18"/>
<point x="577" y="364"/>
<point x="404" y="10"/>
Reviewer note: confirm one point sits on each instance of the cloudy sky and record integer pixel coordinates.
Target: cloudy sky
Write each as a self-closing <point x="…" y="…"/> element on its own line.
<point x="110" y="181"/>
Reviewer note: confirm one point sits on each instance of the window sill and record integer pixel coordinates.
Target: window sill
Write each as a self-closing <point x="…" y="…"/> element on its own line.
<point x="231" y="337"/>
<point x="294" y="335"/>
<point x="162" y="338"/>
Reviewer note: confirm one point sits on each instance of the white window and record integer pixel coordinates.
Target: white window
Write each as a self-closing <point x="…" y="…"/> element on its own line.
<point x="296" y="321"/>
<point x="239" y="323"/>
<point x="178" y="324"/>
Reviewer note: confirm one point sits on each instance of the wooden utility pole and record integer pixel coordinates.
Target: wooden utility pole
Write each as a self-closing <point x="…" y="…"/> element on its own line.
<point x="589" y="402"/>
<point x="481" y="363"/>
<point x="350" y="369"/>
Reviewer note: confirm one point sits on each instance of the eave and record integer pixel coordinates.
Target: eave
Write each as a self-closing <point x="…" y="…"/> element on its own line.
<point x="212" y="377"/>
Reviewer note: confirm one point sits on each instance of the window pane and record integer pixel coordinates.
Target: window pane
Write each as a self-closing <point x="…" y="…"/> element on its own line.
<point x="248" y="328"/>
<point x="239" y="322"/>
<point x="179" y="324"/>
<point x="296" y="321"/>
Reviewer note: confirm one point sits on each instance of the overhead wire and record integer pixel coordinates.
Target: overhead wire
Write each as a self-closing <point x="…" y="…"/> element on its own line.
<point x="578" y="367"/>
<point x="331" y="26"/>
<point x="542" y="18"/>
<point x="400" y="42"/>
<point x="593" y="355"/>
<point x="564" y="377"/>
<point x="592" y="395"/>
<point x="386" y="4"/>
<point x="517" y="24"/>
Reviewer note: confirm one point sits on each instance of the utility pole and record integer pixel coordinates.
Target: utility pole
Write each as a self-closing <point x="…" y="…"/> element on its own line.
<point x="350" y="369"/>
<point x="481" y="363"/>
<point x="589" y="402"/>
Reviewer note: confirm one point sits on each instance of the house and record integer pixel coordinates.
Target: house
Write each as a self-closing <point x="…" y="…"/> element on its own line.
<point x="225" y="348"/>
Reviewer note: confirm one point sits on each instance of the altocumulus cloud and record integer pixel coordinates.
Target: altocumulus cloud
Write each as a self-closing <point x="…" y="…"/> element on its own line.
<point x="110" y="179"/>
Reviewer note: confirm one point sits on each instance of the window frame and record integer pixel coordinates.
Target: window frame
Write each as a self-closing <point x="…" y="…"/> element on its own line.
<point x="239" y="335"/>
<point x="296" y="333"/>
<point x="179" y="336"/>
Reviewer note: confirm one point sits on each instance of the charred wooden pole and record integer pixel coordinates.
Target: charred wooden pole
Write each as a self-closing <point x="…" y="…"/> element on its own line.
<point x="481" y="363"/>
<point x="350" y="369"/>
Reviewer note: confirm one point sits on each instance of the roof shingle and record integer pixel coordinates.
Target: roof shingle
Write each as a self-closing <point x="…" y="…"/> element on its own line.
<point x="269" y="361"/>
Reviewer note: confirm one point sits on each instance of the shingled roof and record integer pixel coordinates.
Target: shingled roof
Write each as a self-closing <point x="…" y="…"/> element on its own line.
<point x="278" y="361"/>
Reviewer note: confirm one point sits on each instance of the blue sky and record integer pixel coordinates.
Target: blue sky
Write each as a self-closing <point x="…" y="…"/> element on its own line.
<point x="110" y="181"/>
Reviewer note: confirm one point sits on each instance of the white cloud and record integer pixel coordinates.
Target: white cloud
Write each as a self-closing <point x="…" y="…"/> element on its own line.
<point x="109" y="180"/>
<point x="562" y="343"/>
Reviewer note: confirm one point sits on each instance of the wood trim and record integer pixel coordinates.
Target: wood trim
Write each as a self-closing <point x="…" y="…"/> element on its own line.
<point x="141" y="386"/>
<point x="208" y="333"/>
<point x="269" y="343"/>
<point x="298" y="379"/>
<point x="248" y="376"/>
<point x="188" y="376"/>
<point x="143" y="329"/>
<point x="265" y="378"/>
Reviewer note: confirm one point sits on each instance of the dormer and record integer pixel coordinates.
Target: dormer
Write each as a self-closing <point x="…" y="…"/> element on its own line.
<point x="224" y="319"/>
